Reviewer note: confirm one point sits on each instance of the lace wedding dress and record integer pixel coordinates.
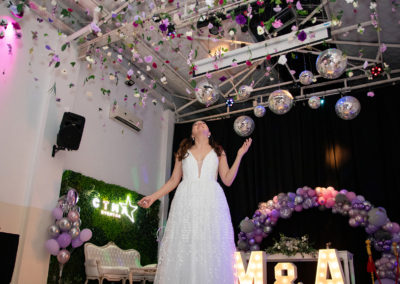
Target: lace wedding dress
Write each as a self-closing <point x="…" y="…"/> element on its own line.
<point x="198" y="245"/>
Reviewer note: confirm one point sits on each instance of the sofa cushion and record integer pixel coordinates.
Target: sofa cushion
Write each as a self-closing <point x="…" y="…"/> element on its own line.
<point x="115" y="270"/>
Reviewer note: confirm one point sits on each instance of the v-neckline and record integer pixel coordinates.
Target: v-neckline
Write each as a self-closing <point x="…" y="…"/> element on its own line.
<point x="204" y="156"/>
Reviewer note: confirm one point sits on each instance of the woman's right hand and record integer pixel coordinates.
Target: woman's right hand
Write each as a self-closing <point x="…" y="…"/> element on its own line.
<point x="146" y="201"/>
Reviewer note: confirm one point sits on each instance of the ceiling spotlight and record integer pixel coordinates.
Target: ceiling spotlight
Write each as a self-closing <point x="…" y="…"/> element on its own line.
<point x="376" y="70"/>
<point x="229" y="102"/>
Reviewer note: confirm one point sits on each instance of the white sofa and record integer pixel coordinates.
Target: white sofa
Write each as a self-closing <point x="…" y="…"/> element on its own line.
<point x="114" y="264"/>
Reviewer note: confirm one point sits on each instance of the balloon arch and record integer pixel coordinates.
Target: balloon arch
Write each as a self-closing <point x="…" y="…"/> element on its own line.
<point x="381" y="231"/>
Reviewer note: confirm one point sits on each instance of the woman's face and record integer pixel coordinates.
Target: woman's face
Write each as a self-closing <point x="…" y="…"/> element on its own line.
<point x="200" y="127"/>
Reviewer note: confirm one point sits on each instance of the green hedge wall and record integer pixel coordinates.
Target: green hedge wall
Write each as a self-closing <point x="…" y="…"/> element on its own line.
<point x="140" y="235"/>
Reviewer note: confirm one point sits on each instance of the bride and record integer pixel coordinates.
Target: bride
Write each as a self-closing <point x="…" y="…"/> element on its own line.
<point x="198" y="244"/>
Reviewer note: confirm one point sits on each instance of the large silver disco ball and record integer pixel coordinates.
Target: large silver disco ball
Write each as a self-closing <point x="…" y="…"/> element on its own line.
<point x="347" y="107"/>
<point x="244" y="92"/>
<point x="314" y="102"/>
<point x="243" y="125"/>
<point x="280" y="101"/>
<point x="206" y="93"/>
<point x="331" y="63"/>
<point x="259" y="111"/>
<point x="306" y="77"/>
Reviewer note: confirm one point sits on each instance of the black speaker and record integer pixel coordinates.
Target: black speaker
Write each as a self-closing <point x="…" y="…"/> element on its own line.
<point x="70" y="133"/>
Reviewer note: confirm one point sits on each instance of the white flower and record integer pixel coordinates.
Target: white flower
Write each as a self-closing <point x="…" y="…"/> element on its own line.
<point x="119" y="56"/>
<point x="97" y="9"/>
<point x="189" y="33"/>
<point x="164" y="80"/>
<point x="142" y="77"/>
<point x="372" y="6"/>
<point x="231" y="33"/>
<point x="112" y="77"/>
<point x="349" y="1"/>
<point x="282" y="60"/>
<point x="360" y="29"/>
<point x="355" y="4"/>
<point x="105" y="47"/>
<point x="260" y="30"/>
<point x="89" y="59"/>
<point x="314" y="20"/>
<point x="54" y="2"/>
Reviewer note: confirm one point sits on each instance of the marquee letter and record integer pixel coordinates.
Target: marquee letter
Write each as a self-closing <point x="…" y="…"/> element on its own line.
<point x="289" y="276"/>
<point x="245" y="274"/>
<point x="114" y="207"/>
<point x="328" y="261"/>
<point x="105" y="202"/>
<point x="96" y="202"/>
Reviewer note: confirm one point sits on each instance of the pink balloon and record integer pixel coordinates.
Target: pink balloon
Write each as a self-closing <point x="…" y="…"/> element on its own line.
<point x="321" y="200"/>
<point x="258" y="239"/>
<point x="311" y="192"/>
<point x="85" y="235"/>
<point x="275" y="199"/>
<point x="350" y="195"/>
<point x="298" y="208"/>
<point x="52" y="246"/>
<point x="396" y="228"/>
<point x="57" y="213"/>
<point x="330" y="202"/>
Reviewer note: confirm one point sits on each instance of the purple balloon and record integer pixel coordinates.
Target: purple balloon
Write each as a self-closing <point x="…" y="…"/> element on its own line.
<point x="72" y="196"/>
<point x="258" y="239"/>
<point x="57" y="213"/>
<point x="77" y="242"/>
<point x="385" y="281"/>
<point x="64" y="240"/>
<point x="252" y="242"/>
<point x="52" y="246"/>
<point x="85" y="235"/>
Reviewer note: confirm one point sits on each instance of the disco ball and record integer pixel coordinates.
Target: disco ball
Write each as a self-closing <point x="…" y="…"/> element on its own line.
<point x="280" y="101"/>
<point x="347" y="107"/>
<point x="259" y="111"/>
<point x="314" y="102"/>
<point x="206" y="93"/>
<point x="244" y="92"/>
<point x="306" y="77"/>
<point x="243" y="125"/>
<point x="331" y="63"/>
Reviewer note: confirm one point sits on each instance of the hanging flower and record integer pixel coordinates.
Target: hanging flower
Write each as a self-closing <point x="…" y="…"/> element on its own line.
<point x="241" y="20"/>
<point x="260" y="30"/>
<point x="277" y="24"/>
<point x="277" y="8"/>
<point x="370" y="94"/>
<point x="163" y="28"/>
<point x="302" y="36"/>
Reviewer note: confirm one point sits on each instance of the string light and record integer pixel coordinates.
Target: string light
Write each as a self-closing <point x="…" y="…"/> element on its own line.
<point x="229" y="102"/>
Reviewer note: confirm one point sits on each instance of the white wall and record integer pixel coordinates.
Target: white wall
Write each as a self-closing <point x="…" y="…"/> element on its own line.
<point x="29" y="122"/>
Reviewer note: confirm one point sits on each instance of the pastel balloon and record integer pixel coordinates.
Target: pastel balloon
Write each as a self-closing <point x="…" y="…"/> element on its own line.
<point x="85" y="235"/>
<point x="52" y="246"/>
<point x="57" y="213"/>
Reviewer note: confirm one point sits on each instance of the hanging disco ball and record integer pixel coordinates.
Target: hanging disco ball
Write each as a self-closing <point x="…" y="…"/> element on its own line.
<point x="243" y="125"/>
<point x="347" y="108"/>
<point x="244" y="92"/>
<point x="206" y="93"/>
<point x="259" y="111"/>
<point x="314" y="102"/>
<point x="331" y="63"/>
<point x="306" y="77"/>
<point x="280" y="101"/>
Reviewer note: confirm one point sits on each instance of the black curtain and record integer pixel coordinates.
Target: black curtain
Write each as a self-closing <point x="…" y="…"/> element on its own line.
<point x="317" y="148"/>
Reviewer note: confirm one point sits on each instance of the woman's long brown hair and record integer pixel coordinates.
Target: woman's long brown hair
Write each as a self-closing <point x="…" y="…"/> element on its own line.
<point x="187" y="143"/>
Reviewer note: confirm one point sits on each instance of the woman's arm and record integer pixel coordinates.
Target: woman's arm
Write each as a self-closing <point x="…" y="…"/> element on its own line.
<point x="170" y="185"/>
<point x="228" y="174"/>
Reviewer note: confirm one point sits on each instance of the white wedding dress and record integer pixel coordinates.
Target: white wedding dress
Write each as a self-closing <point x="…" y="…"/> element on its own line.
<point x="198" y="245"/>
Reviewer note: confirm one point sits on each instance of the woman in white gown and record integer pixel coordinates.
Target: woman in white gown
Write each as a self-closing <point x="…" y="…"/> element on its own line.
<point x="198" y="244"/>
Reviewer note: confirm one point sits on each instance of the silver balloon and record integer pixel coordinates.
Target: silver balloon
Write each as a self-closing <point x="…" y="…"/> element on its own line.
<point x="72" y="196"/>
<point x="64" y="224"/>
<point x="259" y="111"/>
<point x="331" y="63"/>
<point x="63" y="256"/>
<point x="244" y="92"/>
<point x="314" y="102"/>
<point x="54" y="231"/>
<point x="206" y="93"/>
<point x="348" y="107"/>
<point x="306" y="77"/>
<point x="243" y="125"/>
<point x="74" y="232"/>
<point x="280" y="101"/>
<point x="77" y="223"/>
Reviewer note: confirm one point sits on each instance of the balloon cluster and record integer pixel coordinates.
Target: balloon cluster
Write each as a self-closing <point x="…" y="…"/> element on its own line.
<point x="382" y="232"/>
<point x="66" y="229"/>
<point x="386" y="266"/>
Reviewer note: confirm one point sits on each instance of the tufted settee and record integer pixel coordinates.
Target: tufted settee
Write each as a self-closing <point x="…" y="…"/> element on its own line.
<point x="114" y="264"/>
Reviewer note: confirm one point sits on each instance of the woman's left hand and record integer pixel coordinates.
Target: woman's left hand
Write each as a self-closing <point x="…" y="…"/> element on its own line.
<point x="246" y="145"/>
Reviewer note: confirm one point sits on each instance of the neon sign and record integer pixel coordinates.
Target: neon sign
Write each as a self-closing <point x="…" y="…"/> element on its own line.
<point x="115" y="210"/>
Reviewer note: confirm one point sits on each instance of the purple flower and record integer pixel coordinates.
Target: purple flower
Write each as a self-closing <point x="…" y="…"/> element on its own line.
<point x="302" y="36"/>
<point x="163" y="28"/>
<point x="223" y="78"/>
<point x="48" y="47"/>
<point x="241" y="20"/>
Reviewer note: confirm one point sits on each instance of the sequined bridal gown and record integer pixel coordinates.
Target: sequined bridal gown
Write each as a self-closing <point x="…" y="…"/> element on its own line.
<point x="198" y="245"/>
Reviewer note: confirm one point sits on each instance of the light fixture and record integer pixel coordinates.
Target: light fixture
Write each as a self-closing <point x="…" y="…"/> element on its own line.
<point x="229" y="102"/>
<point x="376" y="70"/>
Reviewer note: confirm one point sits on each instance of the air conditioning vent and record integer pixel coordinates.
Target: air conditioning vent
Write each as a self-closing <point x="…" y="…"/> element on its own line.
<point x="125" y="117"/>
